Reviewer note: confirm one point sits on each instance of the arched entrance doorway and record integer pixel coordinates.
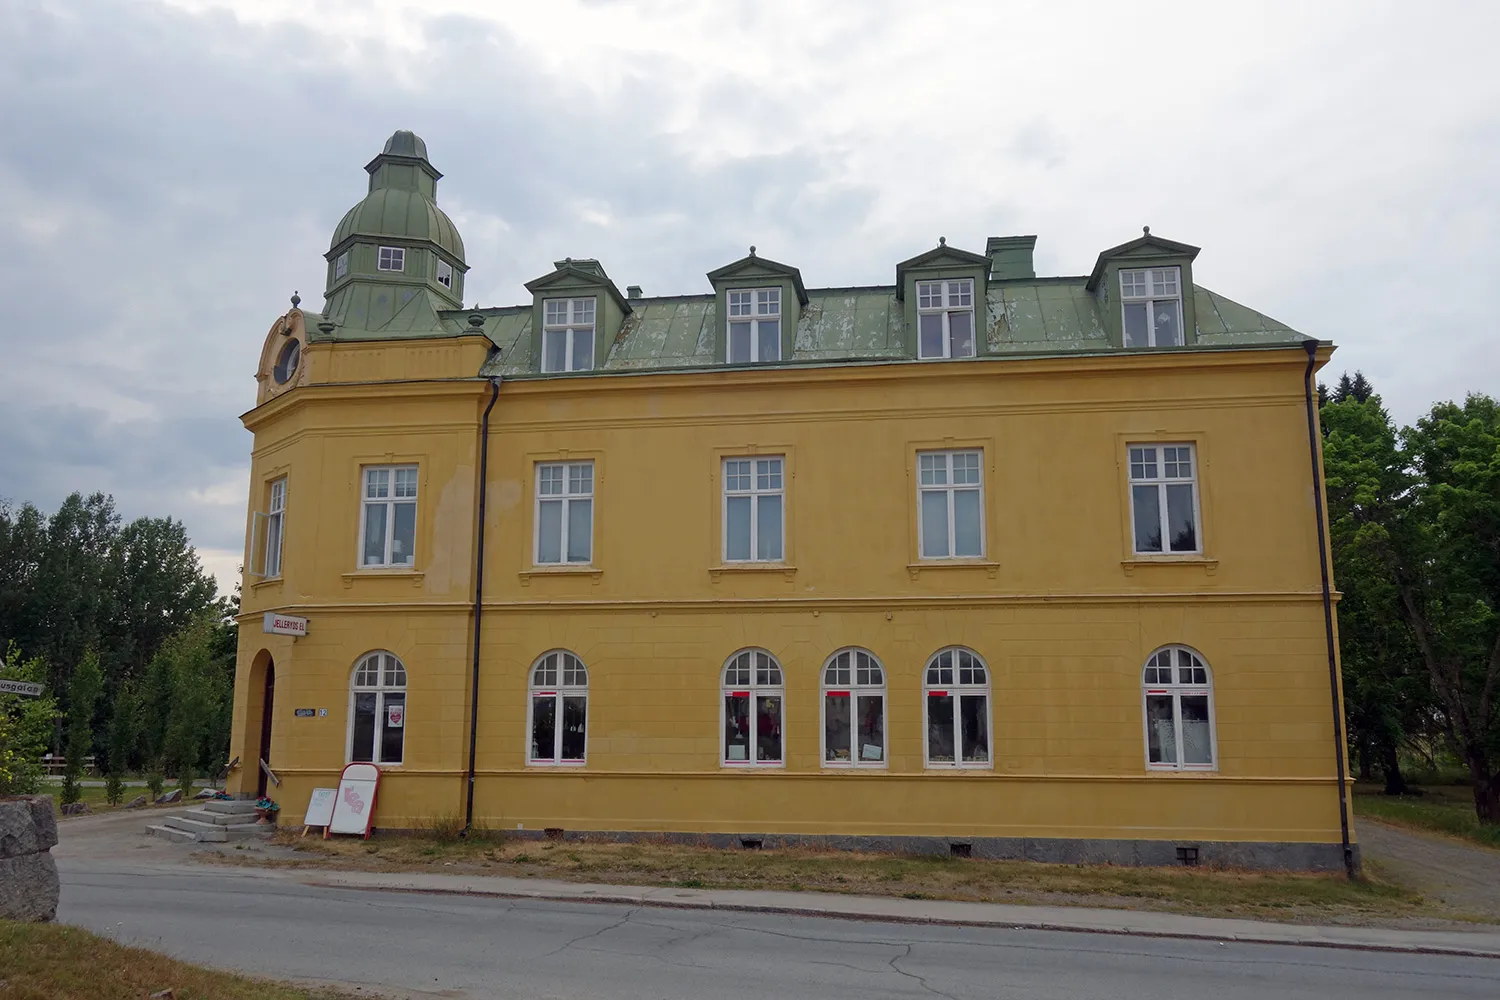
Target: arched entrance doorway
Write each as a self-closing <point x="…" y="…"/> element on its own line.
<point x="268" y="700"/>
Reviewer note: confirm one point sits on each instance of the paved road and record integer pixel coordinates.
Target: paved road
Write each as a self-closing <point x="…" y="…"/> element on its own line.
<point x="462" y="947"/>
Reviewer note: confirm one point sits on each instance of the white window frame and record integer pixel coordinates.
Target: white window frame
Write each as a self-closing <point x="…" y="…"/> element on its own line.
<point x="572" y="473"/>
<point x="570" y="318"/>
<point x="932" y="684"/>
<point x="565" y="669"/>
<point x="391" y="500"/>
<point x="1154" y="468"/>
<point x="1177" y="689"/>
<point x="752" y="306"/>
<point x="776" y="472"/>
<point x="341" y="265"/>
<point x="1156" y="285"/>
<point x="774" y="687"/>
<point x="950" y="487"/>
<point x="945" y="297"/>
<point x="445" y="274"/>
<point x="275" y="522"/>
<point x="391" y="678"/>
<point x="854" y="690"/>
<point x="391" y="259"/>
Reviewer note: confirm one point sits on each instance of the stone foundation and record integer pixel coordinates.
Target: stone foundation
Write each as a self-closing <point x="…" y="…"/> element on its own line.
<point x="28" y="874"/>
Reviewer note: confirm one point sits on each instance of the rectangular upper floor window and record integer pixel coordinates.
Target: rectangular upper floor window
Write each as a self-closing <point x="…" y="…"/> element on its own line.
<point x="754" y="503"/>
<point x="445" y="274"/>
<point x="275" y="527"/>
<point x="341" y="266"/>
<point x="754" y="325"/>
<point x="950" y="498"/>
<point x="1152" y="302"/>
<point x="564" y="513"/>
<point x="388" y="515"/>
<point x="1164" y="498"/>
<point x="391" y="259"/>
<point x="945" y="319"/>
<point x="567" y="335"/>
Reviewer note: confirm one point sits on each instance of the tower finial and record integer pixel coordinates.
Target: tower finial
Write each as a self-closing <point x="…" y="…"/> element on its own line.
<point x="1145" y="230"/>
<point x="752" y="251"/>
<point x="942" y="241"/>
<point x="296" y="299"/>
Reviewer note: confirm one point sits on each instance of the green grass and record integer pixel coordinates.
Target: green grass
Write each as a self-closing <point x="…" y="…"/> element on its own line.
<point x="57" y="962"/>
<point x="1208" y="891"/>
<point x="1441" y="808"/>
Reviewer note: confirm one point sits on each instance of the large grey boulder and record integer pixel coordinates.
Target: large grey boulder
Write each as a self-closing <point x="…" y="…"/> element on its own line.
<point x="28" y="874"/>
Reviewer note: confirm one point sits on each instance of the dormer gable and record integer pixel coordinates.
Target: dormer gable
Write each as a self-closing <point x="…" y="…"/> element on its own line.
<point x="576" y="313"/>
<point x="1145" y="292"/>
<point x="757" y="305"/>
<point x="944" y="295"/>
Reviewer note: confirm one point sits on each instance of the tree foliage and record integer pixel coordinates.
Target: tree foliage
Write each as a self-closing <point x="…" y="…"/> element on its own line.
<point x="84" y="689"/>
<point x="25" y="726"/>
<point x="1415" y="523"/>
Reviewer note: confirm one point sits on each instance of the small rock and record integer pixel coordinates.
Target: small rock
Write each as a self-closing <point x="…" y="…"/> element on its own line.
<point x="175" y="795"/>
<point x="138" y="802"/>
<point x="165" y="994"/>
<point x="75" y="809"/>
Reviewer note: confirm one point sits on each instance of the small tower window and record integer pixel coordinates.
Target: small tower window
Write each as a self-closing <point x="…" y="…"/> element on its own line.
<point x="392" y="259"/>
<point x="1152" y="302"/>
<point x="286" y="363"/>
<point x="341" y="266"/>
<point x="445" y="274"/>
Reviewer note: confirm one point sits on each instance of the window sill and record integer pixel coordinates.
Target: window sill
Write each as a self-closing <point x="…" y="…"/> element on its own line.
<point x="1210" y="566"/>
<point x="526" y="575"/>
<point x="917" y="568"/>
<point x="930" y="768"/>
<point x="786" y="569"/>
<point x="1205" y="769"/>
<point x="270" y="581"/>
<point x="567" y="765"/>
<point x="416" y="576"/>
<point x="752" y="765"/>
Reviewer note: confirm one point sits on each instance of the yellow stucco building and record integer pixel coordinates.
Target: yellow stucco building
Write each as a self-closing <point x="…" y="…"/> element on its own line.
<point x="978" y="561"/>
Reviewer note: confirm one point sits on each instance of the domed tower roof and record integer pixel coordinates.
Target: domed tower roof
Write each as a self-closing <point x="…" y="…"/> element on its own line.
<point x="395" y="258"/>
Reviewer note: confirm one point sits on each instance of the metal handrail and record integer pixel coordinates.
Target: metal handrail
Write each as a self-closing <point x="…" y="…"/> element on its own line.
<point x="270" y="773"/>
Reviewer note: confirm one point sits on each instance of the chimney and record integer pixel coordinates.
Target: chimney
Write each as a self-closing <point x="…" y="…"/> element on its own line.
<point x="1010" y="257"/>
<point x="632" y="291"/>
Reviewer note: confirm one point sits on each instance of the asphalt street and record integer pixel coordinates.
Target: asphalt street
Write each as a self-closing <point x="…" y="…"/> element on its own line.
<point x="474" y="947"/>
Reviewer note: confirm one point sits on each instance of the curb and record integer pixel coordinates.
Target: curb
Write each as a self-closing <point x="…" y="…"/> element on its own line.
<point x="892" y="918"/>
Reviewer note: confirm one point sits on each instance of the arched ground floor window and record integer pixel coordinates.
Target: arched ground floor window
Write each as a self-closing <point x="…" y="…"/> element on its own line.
<point x="377" y="716"/>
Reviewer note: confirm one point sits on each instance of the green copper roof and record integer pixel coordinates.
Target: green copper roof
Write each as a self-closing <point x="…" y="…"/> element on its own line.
<point x="401" y="214"/>
<point x="1044" y="315"/>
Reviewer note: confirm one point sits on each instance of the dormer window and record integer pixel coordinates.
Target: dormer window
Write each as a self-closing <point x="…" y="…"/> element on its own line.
<point x="341" y="266"/>
<point x="568" y="335"/>
<point x="945" y="319"/>
<point x="445" y="274"/>
<point x="1152" y="301"/>
<point x="754" y="325"/>
<point x="392" y="259"/>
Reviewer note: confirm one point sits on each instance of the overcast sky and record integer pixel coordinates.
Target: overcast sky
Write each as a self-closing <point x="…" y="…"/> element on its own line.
<point x="170" y="170"/>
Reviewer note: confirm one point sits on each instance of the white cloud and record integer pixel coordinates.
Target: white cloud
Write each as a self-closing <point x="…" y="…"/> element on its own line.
<point x="174" y="169"/>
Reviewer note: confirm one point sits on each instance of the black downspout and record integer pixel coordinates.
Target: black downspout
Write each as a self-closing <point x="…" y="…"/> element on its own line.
<point x="484" y="461"/>
<point x="1333" y="671"/>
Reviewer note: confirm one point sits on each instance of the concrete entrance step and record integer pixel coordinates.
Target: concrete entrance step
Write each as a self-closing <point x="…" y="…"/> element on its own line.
<point x="219" y="818"/>
<point x="229" y="807"/>
<point x="168" y="833"/>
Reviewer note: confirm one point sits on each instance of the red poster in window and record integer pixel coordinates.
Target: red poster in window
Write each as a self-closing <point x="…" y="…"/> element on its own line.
<point x="395" y="715"/>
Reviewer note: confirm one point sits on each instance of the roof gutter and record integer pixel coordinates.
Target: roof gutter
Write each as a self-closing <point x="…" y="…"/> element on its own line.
<point x="484" y="461"/>
<point x="1311" y="346"/>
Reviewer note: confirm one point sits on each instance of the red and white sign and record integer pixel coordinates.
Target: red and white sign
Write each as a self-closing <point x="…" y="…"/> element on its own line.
<point x="284" y="624"/>
<point x="354" y="805"/>
<point x="395" y="716"/>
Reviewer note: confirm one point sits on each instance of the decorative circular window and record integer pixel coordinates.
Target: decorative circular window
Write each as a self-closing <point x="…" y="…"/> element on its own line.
<point x="286" y="362"/>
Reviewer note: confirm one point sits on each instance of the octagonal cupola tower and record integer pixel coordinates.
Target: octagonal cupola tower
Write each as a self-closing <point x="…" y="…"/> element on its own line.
<point x="396" y="258"/>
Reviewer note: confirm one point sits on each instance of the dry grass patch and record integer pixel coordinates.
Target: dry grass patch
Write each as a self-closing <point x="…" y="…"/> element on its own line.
<point x="57" y="962"/>
<point x="1204" y="891"/>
